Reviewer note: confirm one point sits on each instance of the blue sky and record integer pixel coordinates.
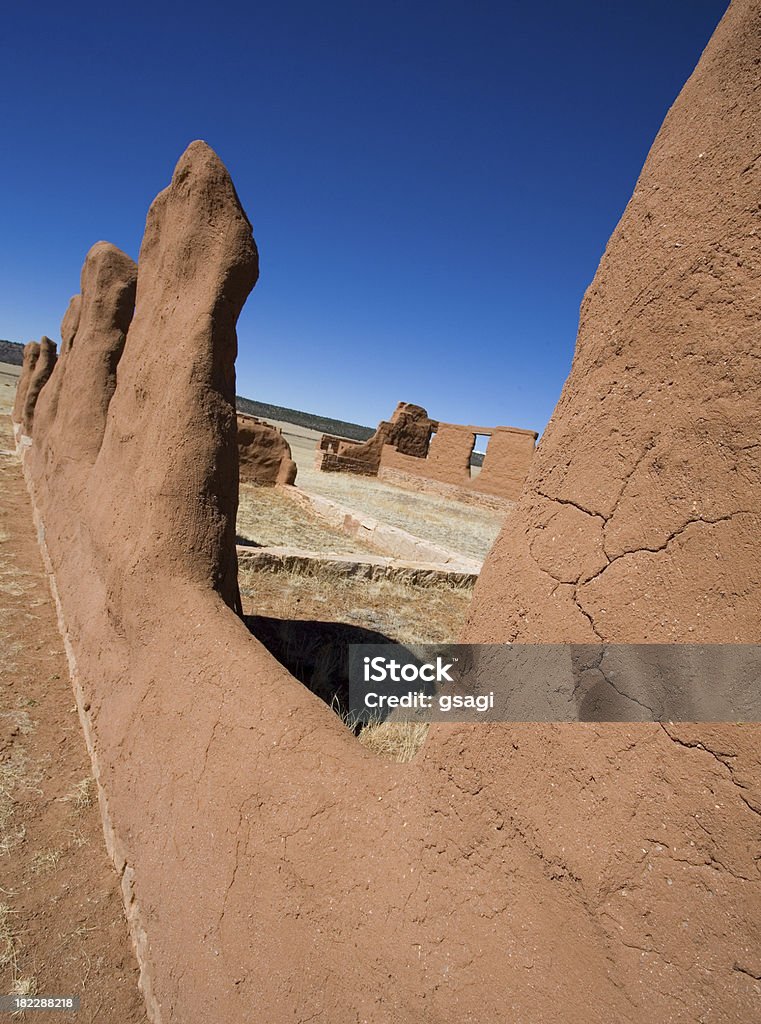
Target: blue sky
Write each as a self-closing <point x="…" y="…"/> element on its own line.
<point x="431" y="185"/>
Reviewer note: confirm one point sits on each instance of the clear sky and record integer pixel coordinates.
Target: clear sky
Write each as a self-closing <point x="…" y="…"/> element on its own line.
<point x="431" y="184"/>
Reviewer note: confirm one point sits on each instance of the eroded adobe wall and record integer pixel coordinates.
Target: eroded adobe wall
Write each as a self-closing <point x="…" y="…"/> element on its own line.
<point x="40" y="369"/>
<point x="408" y="431"/>
<point x="508" y="457"/>
<point x="507" y="462"/>
<point x="47" y="403"/>
<point x="29" y="361"/>
<point x="273" y="869"/>
<point x="70" y="420"/>
<point x="264" y="455"/>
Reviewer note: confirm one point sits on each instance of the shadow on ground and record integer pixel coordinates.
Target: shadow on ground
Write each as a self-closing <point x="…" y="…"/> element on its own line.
<point x="316" y="653"/>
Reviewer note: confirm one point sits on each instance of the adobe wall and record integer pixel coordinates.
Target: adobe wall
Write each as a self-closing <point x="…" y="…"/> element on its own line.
<point x="409" y="431"/>
<point x="264" y="455"/>
<point x="274" y="870"/>
<point x="506" y="464"/>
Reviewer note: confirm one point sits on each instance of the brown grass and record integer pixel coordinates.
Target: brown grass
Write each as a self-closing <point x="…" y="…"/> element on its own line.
<point x="268" y="518"/>
<point x="467" y="528"/>
<point x="397" y="741"/>
<point x="404" y="614"/>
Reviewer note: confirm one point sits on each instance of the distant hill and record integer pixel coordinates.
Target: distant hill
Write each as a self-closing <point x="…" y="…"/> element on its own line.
<point x="11" y="352"/>
<point x="353" y="431"/>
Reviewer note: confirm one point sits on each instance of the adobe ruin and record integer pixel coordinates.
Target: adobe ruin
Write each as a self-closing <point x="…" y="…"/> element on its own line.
<point x="31" y="355"/>
<point x="414" y="451"/>
<point x="409" y="431"/>
<point x="264" y="455"/>
<point x="543" y="869"/>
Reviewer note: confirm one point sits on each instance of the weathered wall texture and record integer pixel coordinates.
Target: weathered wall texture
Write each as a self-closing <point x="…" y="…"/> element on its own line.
<point x="31" y="355"/>
<point x="40" y="369"/>
<point x="274" y="870"/>
<point x="507" y="460"/>
<point x="409" y="431"/>
<point x="264" y="455"/>
<point x="412" y="444"/>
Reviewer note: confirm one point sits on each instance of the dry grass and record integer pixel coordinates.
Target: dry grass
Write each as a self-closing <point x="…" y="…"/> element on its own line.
<point x="20" y="986"/>
<point x="400" y="613"/>
<point x="8" y="951"/>
<point x="397" y="741"/>
<point x="13" y="774"/>
<point x="46" y="861"/>
<point x="403" y="614"/>
<point x="81" y="796"/>
<point x="268" y="518"/>
<point x="467" y="528"/>
<point x="23" y="987"/>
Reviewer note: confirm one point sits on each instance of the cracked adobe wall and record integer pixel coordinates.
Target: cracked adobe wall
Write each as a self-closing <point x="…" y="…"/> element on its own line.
<point x="276" y="871"/>
<point x="639" y="520"/>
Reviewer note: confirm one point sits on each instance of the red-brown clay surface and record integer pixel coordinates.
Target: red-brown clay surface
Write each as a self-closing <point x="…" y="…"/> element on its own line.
<point x="264" y="455"/>
<point x="31" y="355"/>
<point x="408" y="431"/>
<point x="506" y="463"/>
<point x="38" y="377"/>
<point x="69" y="422"/>
<point x="65" y="928"/>
<point x="275" y="871"/>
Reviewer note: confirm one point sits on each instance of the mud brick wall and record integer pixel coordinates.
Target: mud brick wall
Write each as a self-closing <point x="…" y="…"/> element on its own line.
<point x="274" y="870"/>
<point x="505" y="467"/>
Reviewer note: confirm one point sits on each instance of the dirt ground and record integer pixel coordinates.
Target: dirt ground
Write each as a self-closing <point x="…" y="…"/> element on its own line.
<point x="62" y="927"/>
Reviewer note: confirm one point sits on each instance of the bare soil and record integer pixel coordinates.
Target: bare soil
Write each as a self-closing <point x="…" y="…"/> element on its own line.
<point x="62" y="927"/>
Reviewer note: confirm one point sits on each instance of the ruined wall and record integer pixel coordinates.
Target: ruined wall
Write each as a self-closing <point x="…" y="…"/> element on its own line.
<point x="272" y="868"/>
<point x="507" y="460"/>
<point x="411" y="448"/>
<point x="264" y="455"/>
<point x="47" y="403"/>
<point x="507" y="463"/>
<point x="31" y="355"/>
<point x="70" y="422"/>
<point x="408" y="431"/>
<point x="40" y="367"/>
